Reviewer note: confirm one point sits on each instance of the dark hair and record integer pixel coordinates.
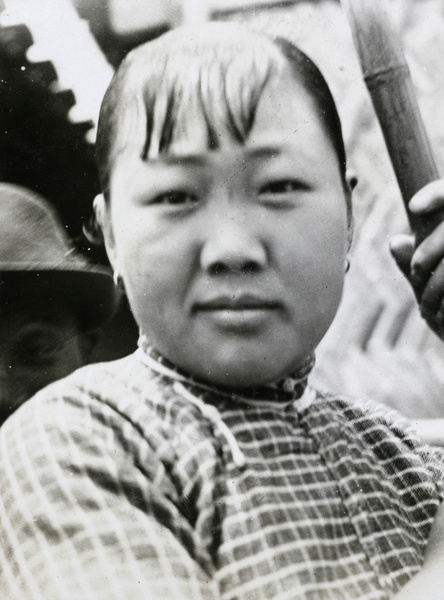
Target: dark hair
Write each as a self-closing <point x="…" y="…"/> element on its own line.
<point x="220" y="70"/>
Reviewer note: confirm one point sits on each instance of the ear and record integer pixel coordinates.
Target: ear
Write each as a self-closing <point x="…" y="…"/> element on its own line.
<point x="103" y="219"/>
<point x="351" y="183"/>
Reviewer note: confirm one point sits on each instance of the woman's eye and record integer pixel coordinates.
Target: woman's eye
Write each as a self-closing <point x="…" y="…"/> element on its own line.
<point x="284" y="186"/>
<point x="175" y="198"/>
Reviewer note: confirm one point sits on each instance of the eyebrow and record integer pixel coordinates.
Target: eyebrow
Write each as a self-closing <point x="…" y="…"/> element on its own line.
<point x="264" y="151"/>
<point x="179" y="159"/>
<point x="196" y="159"/>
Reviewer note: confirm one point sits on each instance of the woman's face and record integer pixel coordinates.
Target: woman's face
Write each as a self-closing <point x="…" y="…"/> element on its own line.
<point x="233" y="259"/>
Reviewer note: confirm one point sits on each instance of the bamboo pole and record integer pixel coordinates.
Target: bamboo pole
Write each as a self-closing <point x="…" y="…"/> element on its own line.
<point x="388" y="80"/>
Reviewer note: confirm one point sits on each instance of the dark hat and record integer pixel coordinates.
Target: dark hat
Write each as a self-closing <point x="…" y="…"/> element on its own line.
<point x="35" y="248"/>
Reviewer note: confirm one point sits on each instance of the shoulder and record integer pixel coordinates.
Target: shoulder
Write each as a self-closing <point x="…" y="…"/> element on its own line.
<point x="364" y="415"/>
<point x="101" y="409"/>
<point x="384" y="436"/>
<point x="118" y="413"/>
<point x="116" y="386"/>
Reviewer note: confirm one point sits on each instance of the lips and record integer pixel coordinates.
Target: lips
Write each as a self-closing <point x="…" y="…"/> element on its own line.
<point x="236" y="302"/>
<point x="237" y="313"/>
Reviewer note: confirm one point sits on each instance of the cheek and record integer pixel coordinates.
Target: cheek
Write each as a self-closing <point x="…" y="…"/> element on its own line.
<point x="156" y="269"/>
<point x="135" y="256"/>
<point x="315" y="240"/>
<point x="315" y="263"/>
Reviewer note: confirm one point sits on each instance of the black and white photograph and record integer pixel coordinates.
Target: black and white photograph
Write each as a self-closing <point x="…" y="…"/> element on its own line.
<point x="221" y="299"/>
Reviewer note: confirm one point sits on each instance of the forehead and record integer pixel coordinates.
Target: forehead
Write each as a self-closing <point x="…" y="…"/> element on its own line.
<point x="286" y="113"/>
<point x="287" y="108"/>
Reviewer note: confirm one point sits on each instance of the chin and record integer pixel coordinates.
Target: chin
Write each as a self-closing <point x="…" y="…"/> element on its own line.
<point x="249" y="364"/>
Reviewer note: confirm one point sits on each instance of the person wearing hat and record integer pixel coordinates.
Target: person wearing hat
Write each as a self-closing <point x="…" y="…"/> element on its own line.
<point x="52" y="300"/>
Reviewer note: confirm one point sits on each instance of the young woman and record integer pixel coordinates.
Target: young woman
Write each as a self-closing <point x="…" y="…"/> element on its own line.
<point x="203" y="466"/>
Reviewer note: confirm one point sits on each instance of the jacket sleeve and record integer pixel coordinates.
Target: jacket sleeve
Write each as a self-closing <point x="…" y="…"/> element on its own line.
<point x="83" y="517"/>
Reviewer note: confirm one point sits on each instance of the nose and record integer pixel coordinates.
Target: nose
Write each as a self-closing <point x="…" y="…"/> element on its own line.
<point x="232" y="244"/>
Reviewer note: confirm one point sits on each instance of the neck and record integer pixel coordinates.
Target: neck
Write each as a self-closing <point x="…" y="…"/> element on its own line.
<point x="289" y="388"/>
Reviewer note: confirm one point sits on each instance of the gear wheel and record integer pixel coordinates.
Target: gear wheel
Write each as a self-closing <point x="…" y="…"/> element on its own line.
<point x="41" y="147"/>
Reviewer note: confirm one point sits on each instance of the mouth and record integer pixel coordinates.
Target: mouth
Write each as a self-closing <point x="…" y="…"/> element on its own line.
<point x="237" y="311"/>
<point x="237" y="302"/>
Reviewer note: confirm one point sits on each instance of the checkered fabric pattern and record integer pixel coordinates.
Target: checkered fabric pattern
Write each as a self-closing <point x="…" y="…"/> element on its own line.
<point x="115" y="486"/>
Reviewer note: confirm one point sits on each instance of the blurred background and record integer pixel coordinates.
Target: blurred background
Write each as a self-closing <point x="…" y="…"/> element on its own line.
<point x="56" y="59"/>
